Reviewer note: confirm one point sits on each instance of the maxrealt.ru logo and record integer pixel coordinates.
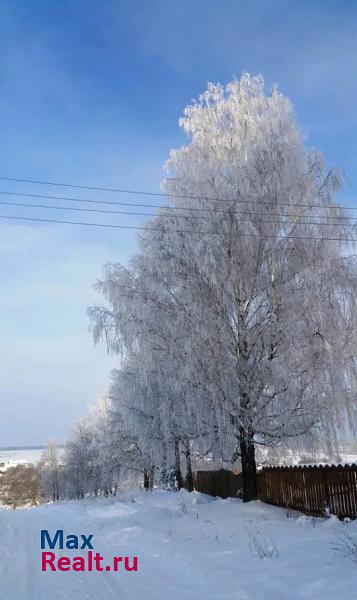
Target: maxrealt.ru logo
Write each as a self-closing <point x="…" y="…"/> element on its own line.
<point x="90" y="561"/>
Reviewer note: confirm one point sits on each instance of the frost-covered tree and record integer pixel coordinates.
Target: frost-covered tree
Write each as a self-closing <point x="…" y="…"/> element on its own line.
<point x="150" y="396"/>
<point x="51" y="471"/>
<point x="252" y="271"/>
<point x="116" y="448"/>
<point x="106" y="463"/>
<point x="98" y="453"/>
<point x="78" y="460"/>
<point x="136" y="415"/>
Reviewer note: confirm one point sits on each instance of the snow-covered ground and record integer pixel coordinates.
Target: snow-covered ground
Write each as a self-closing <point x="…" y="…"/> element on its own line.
<point x="190" y="546"/>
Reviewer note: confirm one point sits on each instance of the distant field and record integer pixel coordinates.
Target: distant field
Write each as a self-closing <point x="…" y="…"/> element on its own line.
<point x="25" y="455"/>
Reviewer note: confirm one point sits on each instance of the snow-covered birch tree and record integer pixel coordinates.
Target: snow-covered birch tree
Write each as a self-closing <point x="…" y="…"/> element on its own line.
<point x="153" y="390"/>
<point x="253" y="264"/>
<point x="99" y="452"/>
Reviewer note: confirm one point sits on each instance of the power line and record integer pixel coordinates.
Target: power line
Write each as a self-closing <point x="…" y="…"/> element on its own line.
<point x="144" y="214"/>
<point x="162" y="194"/>
<point x="171" y="208"/>
<point x="162" y="230"/>
<point x="108" y="202"/>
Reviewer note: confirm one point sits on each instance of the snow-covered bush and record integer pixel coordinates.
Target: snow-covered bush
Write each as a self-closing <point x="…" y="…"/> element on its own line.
<point x="20" y="486"/>
<point x="347" y="546"/>
<point x="182" y="504"/>
<point x="261" y="545"/>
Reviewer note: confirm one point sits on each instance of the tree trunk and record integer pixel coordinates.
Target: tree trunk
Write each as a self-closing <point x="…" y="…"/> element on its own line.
<point x="189" y="474"/>
<point x="163" y="472"/>
<point x="249" y="468"/>
<point x="178" y="472"/>
<point x="146" y="480"/>
<point x="151" y="477"/>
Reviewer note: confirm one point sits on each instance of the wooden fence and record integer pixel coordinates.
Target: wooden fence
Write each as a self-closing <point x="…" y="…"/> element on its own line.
<point x="223" y="483"/>
<point x="314" y="490"/>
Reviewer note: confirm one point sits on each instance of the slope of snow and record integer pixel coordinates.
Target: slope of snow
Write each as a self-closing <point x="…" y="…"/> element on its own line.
<point x="190" y="546"/>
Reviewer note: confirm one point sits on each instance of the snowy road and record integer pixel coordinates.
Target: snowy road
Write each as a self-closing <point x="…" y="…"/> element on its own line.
<point x="193" y="548"/>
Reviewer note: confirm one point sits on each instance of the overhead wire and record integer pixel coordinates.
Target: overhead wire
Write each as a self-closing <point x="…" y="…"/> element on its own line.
<point x="160" y="194"/>
<point x="164" y="230"/>
<point x="172" y="216"/>
<point x="172" y="208"/>
<point x="251" y="213"/>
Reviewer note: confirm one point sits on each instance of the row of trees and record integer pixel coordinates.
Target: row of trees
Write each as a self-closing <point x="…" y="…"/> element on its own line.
<point x="93" y="461"/>
<point x="236" y="320"/>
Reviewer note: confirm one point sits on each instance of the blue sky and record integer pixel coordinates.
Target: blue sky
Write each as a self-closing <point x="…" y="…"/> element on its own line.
<point x="91" y="93"/>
